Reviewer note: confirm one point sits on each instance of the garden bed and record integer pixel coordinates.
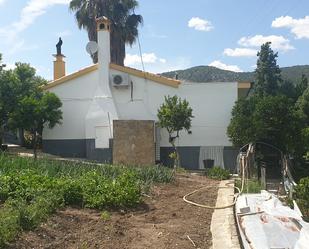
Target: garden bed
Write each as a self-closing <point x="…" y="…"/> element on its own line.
<point x="164" y="220"/>
<point x="61" y="216"/>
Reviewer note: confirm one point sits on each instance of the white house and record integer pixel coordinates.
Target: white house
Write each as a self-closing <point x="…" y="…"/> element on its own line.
<point x="97" y="95"/>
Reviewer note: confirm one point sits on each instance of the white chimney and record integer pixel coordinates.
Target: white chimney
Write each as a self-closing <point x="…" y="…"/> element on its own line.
<point x="102" y="110"/>
<point x="104" y="57"/>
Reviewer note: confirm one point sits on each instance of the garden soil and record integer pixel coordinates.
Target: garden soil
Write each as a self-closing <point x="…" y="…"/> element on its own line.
<point x="164" y="220"/>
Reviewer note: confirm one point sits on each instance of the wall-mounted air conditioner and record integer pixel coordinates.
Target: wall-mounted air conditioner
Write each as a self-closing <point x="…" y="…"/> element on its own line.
<point x="120" y="80"/>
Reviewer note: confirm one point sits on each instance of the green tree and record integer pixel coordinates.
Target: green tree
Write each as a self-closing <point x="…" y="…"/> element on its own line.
<point x="1" y="65"/>
<point x="302" y="109"/>
<point x="302" y="85"/>
<point x="288" y="89"/>
<point x="267" y="73"/>
<point x="28" y="84"/>
<point x="271" y="119"/>
<point x="14" y="86"/>
<point x="302" y="106"/>
<point x="175" y="115"/>
<point x="124" y="22"/>
<point x="275" y="122"/>
<point x="36" y="111"/>
<point x="241" y="130"/>
<point x="8" y="100"/>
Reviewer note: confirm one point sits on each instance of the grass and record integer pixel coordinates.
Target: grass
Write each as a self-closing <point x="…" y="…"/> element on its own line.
<point x="250" y="186"/>
<point x="31" y="190"/>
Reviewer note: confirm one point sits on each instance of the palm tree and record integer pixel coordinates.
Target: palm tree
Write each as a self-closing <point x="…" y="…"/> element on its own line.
<point x="124" y="28"/>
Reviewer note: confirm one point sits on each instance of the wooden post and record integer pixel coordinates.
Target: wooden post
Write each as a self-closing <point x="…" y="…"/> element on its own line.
<point x="263" y="176"/>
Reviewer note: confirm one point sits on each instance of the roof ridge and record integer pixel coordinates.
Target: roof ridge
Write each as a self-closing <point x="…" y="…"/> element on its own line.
<point x="135" y="72"/>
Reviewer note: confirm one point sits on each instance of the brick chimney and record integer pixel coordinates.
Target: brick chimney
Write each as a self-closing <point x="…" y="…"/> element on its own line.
<point x="59" y="66"/>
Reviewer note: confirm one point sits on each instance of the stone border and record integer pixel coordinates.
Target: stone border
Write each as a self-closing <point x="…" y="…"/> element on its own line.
<point x="223" y="227"/>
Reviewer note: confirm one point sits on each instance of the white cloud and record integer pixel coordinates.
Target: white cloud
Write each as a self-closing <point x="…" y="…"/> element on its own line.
<point x="277" y="42"/>
<point x="20" y="46"/>
<point x="154" y="64"/>
<point x="299" y="27"/>
<point x="9" y="35"/>
<point x="2" y="1"/>
<point x="148" y="58"/>
<point x="240" y="52"/>
<point x="200" y="24"/>
<point x="28" y="15"/>
<point x="223" y="66"/>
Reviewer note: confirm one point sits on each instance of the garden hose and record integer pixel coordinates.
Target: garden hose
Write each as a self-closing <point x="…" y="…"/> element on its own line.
<point x="239" y="191"/>
<point x="210" y="207"/>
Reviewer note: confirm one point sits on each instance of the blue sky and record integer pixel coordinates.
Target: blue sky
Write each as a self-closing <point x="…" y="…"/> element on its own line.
<point x="176" y="34"/>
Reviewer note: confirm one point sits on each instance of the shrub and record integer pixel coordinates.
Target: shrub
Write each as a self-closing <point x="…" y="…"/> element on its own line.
<point x="9" y="225"/>
<point x="250" y="186"/>
<point x="302" y="195"/>
<point x="218" y="173"/>
<point x="73" y="193"/>
<point x="101" y="192"/>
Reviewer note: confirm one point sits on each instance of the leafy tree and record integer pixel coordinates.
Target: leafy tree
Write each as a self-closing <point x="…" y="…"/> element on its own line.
<point x="8" y="100"/>
<point x="36" y="111"/>
<point x="267" y="73"/>
<point x="275" y="122"/>
<point x="302" y="106"/>
<point x="288" y="89"/>
<point x="302" y="109"/>
<point x="269" y="119"/>
<point x="124" y="22"/>
<point x="302" y="85"/>
<point x="14" y="86"/>
<point x="28" y="84"/>
<point x="1" y="65"/>
<point x="175" y="115"/>
<point x="240" y="129"/>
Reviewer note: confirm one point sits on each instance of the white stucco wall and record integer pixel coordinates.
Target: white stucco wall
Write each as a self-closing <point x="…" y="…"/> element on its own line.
<point x="76" y="96"/>
<point x="211" y="103"/>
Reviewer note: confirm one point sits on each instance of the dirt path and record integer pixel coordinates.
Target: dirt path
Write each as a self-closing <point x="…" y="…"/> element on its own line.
<point x="163" y="221"/>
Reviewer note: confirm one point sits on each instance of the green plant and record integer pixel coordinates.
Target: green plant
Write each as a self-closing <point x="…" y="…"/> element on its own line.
<point x="217" y="173"/>
<point x="30" y="190"/>
<point x="175" y="115"/>
<point x="9" y="225"/>
<point x="105" y="215"/>
<point x="302" y="195"/>
<point x="250" y="186"/>
<point x="73" y="193"/>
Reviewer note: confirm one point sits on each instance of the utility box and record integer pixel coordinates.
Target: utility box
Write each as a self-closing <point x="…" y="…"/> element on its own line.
<point x="134" y="142"/>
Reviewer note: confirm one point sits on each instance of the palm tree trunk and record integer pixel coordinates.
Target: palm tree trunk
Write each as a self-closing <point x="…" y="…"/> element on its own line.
<point x="117" y="49"/>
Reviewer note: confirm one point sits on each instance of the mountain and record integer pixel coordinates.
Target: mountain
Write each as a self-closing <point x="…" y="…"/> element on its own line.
<point x="213" y="74"/>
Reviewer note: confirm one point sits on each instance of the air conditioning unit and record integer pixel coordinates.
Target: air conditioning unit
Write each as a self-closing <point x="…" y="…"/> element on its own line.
<point x="120" y="80"/>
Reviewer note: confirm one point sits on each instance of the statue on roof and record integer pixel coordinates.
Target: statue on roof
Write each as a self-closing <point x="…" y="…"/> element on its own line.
<point x="58" y="46"/>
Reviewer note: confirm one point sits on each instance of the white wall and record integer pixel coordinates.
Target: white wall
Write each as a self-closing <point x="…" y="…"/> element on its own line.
<point x="211" y="103"/>
<point x="76" y="96"/>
